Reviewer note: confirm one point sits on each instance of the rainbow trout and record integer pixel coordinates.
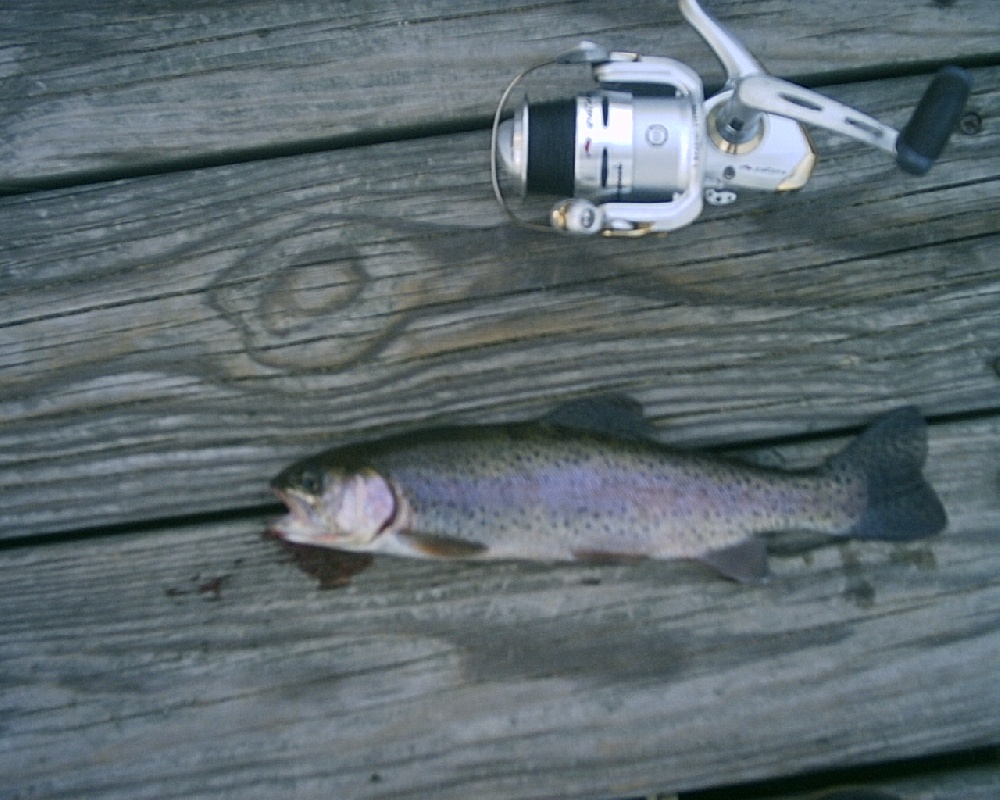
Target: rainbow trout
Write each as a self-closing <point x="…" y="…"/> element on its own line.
<point x="552" y="491"/>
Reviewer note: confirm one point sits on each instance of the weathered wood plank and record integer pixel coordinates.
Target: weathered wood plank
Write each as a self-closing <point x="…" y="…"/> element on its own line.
<point x="124" y="674"/>
<point x="183" y="336"/>
<point x="972" y="775"/>
<point x="96" y="88"/>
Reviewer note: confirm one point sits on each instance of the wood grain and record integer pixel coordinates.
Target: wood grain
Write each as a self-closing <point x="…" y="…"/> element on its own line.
<point x="199" y="662"/>
<point x="236" y="233"/>
<point x="973" y="775"/>
<point x="182" y="337"/>
<point x="96" y="89"/>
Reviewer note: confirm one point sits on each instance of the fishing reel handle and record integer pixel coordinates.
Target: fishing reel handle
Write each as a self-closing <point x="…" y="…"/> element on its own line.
<point x="935" y="117"/>
<point x="915" y="149"/>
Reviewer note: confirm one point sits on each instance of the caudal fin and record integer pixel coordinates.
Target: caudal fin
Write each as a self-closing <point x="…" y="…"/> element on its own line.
<point x="890" y="453"/>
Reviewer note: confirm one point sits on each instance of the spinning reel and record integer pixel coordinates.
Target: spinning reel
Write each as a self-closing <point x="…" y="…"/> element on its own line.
<point x="645" y="151"/>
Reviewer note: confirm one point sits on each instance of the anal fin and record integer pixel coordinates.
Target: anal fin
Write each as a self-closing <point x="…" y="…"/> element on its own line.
<point x="607" y="557"/>
<point x="745" y="562"/>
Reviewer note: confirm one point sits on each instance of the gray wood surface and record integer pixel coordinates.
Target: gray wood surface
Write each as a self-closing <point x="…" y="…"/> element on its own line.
<point x="973" y="775"/>
<point x="91" y="89"/>
<point x="130" y="671"/>
<point x="185" y="335"/>
<point x="235" y="234"/>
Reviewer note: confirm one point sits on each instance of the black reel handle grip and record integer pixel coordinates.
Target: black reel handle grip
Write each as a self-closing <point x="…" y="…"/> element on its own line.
<point x="933" y="120"/>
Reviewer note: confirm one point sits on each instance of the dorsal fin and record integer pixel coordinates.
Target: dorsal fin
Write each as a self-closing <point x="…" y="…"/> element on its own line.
<point x="614" y="415"/>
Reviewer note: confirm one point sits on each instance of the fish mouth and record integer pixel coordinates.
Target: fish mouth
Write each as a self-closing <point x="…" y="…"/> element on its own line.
<point x="301" y="525"/>
<point x="297" y="525"/>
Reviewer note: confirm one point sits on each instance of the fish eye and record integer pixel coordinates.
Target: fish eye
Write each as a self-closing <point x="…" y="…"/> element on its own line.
<point x="311" y="481"/>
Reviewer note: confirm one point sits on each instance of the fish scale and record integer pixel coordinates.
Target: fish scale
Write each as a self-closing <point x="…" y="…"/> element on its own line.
<point x="550" y="491"/>
<point x="637" y="496"/>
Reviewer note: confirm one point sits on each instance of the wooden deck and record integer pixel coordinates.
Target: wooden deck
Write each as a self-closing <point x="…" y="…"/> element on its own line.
<point x="235" y="233"/>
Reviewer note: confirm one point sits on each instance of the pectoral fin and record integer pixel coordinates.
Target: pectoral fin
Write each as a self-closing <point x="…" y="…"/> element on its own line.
<point x="433" y="546"/>
<point x="745" y="562"/>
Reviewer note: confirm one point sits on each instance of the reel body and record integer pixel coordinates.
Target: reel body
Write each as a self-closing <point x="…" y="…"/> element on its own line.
<point x="645" y="150"/>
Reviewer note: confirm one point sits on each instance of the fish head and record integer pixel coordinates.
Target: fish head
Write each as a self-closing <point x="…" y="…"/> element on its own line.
<point x="333" y="507"/>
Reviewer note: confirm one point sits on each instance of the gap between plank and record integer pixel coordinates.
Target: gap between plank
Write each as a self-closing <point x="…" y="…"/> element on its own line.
<point x="424" y="130"/>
